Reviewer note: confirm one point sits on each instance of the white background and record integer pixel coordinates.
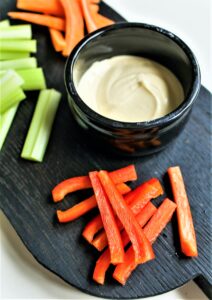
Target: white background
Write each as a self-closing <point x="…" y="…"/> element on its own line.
<point x="21" y="276"/>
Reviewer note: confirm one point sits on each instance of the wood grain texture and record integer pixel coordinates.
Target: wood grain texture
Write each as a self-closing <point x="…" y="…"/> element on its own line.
<point x="26" y="200"/>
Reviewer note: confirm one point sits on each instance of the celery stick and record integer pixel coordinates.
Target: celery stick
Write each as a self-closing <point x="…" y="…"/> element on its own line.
<point x="21" y="63"/>
<point x="15" y="97"/>
<point x="9" y="82"/>
<point x="6" y="120"/>
<point x="33" y="79"/>
<point x="41" y="124"/>
<point x="13" y="55"/>
<point x="18" y="45"/>
<point x="15" y="32"/>
<point x="4" y="23"/>
<point x="10" y="90"/>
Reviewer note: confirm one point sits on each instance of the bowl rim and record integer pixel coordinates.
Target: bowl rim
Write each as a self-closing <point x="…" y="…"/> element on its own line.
<point x="162" y="121"/>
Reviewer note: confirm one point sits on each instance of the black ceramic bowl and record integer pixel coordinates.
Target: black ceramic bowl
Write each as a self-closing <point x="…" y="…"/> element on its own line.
<point x="149" y="41"/>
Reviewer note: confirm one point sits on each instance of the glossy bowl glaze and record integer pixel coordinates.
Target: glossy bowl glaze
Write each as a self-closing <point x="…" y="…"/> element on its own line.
<point x="139" y="39"/>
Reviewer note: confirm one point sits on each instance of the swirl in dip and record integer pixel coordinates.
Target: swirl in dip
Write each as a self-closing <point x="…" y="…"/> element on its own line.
<point x="130" y="89"/>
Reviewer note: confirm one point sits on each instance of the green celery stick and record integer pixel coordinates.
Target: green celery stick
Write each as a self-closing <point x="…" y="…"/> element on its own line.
<point x="34" y="79"/>
<point x="15" y="32"/>
<point x="41" y="124"/>
<point x="18" y="45"/>
<point x="15" y="97"/>
<point x="21" y="63"/>
<point x="6" y="120"/>
<point x="4" y="23"/>
<point x="13" y="55"/>
<point x="10" y="90"/>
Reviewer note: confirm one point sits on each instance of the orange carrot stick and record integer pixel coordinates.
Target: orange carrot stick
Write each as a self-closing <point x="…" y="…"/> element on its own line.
<point x="88" y="16"/>
<point x="104" y="261"/>
<point x="94" y="8"/>
<point x="52" y="22"/>
<point x="83" y="207"/>
<point x="74" y="24"/>
<point x="101" y="21"/>
<point x="184" y="217"/>
<point x="152" y="230"/>
<point x="57" y="39"/>
<point x="49" y="7"/>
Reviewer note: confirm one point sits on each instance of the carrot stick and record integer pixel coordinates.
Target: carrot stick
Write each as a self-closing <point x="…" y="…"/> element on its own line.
<point x="57" y="39"/>
<point x="101" y="21"/>
<point x="152" y="230"/>
<point x="113" y="235"/>
<point x="83" y="182"/>
<point x="88" y="16"/>
<point x="74" y="24"/>
<point x="141" y="196"/>
<point x="94" y="8"/>
<point x="49" y="7"/>
<point x="141" y="246"/>
<point x="104" y="262"/>
<point x="83" y="207"/>
<point x="185" y="223"/>
<point x="52" y="22"/>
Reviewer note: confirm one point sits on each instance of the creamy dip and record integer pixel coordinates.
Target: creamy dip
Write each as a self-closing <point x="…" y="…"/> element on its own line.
<point x="130" y="88"/>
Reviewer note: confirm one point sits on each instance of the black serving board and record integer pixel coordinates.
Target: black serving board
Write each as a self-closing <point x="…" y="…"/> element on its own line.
<point x="26" y="191"/>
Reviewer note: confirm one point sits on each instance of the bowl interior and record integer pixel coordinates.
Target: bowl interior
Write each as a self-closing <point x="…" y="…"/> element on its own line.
<point x="147" y="41"/>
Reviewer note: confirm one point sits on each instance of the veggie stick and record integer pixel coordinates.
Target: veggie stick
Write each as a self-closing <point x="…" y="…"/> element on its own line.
<point x="185" y="223"/>
<point x="15" y="97"/>
<point x="104" y="262"/>
<point x="83" y="207"/>
<point x="6" y="120"/>
<point x="83" y="182"/>
<point x="49" y="7"/>
<point x="94" y="8"/>
<point x="5" y="23"/>
<point x="152" y="230"/>
<point x="150" y="189"/>
<point x="39" y="19"/>
<point x="34" y="79"/>
<point x="15" y="32"/>
<point x="96" y="224"/>
<point x="57" y="39"/>
<point x="21" y="63"/>
<point x="101" y="21"/>
<point x="74" y="24"/>
<point x="141" y="195"/>
<point x="18" y="46"/>
<point x="41" y="125"/>
<point x="141" y="246"/>
<point x="113" y="235"/>
<point x="11" y="93"/>
<point x="13" y="55"/>
<point x="88" y="16"/>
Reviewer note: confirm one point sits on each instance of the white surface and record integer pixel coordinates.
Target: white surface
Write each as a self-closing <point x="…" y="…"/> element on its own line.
<point x="21" y="276"/>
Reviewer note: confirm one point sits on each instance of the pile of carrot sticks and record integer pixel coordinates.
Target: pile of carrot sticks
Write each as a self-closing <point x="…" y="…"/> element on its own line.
<point x="64" y="18"/>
